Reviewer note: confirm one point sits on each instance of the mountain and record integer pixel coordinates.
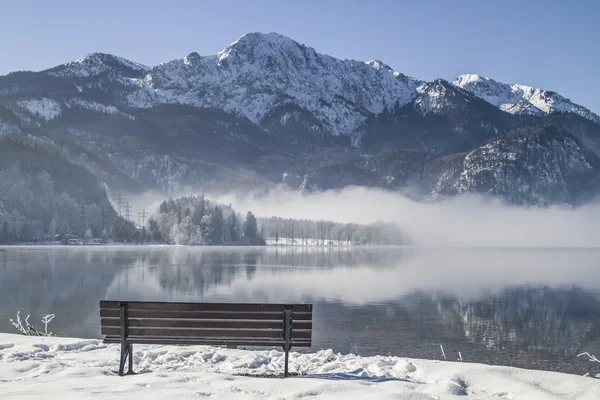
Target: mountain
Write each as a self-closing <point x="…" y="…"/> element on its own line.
<point x="541" y="166"/>
<point x="267" y="110"/>
<point x="520" y="99"/>
<point x="254" y="77"/>
<point x="97" y="64"/>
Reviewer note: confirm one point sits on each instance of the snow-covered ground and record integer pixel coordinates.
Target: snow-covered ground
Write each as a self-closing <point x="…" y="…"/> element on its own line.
<point x="66" y="368"/>
<point x="284" y="241"/>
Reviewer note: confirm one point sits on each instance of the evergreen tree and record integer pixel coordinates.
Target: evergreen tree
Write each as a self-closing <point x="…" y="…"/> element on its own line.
<point x="163" y="209"/>
<point x="186" y="229"/>
<point x="143" y="235"/>
<point x="233" y="228"/>
<point x="201" y="207"/>
<point x="52" y="226"/>
<point x="198" y="213"/>
<point x="206" y="229"/>
<point x="154" y="231"/>
<point x="218" y="224"/>
<point x="123" y="230"/>
<point x="251" y="229"/>
<point x="4" y="233"/>
<point x="25" y="234"/>
<point x="88" y="235"/>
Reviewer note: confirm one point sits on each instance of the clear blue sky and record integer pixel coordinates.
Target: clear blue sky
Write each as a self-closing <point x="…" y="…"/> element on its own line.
<point x="549" y="44"/>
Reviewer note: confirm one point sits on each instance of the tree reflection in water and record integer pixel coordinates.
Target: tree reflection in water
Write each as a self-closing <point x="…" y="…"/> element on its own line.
<point x="397" y="301"/>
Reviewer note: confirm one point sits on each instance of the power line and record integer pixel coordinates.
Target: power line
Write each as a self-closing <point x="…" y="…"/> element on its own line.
<point x="119" y="203"/>
<point x="127" y="208"/>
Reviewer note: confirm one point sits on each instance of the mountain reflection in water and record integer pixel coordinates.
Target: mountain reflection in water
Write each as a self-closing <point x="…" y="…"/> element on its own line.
<point x="535" y="308"/>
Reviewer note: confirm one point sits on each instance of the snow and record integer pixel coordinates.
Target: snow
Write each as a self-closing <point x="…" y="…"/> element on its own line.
<point x="68" y="368"/>
<point x="494" y="166"/>
<point x="95" y="64"/>
<point x="8" y="128"/>
<point x="433" y="97"/>
<point x="96" y="107"/>
<point x="161" y="170"/>
<point x="91" y="105"/>
<point x="260" y="72"/>
<point x="520" y="99"/>
<point x="309" y="242"/>
<point x="44" y="108"/>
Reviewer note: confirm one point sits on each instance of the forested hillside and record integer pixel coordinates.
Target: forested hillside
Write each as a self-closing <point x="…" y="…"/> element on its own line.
<point x="42" y="194"/>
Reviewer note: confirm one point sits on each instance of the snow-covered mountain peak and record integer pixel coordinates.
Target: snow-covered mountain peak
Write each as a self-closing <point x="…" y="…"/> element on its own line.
<point x="261" y="72"/>
<point x="377" y="64"/>
<point x="98" y="63"/>
<point x="192" y="58"/>
<point x="259" y="38"/>
<point x="466" y="79"/>
<point x="520" y="99"/>
<point x="437" y="96"/>
<point x="258" y="45"/>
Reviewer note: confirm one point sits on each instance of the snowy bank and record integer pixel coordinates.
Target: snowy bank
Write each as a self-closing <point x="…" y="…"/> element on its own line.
<point x="65" y="368"/>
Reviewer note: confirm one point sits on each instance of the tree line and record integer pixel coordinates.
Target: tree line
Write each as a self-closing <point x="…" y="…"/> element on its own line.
<point x="287" y="231"/>
<point x="196" y="220"/>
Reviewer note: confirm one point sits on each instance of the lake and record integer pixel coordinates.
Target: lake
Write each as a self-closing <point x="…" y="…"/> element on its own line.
<point x="533" y="308"/>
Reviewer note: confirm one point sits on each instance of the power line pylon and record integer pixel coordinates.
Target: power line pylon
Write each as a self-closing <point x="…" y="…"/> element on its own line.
<point x="142" y="214"/>
<point x="119" y="203"/>
<point x="127" y="209"/>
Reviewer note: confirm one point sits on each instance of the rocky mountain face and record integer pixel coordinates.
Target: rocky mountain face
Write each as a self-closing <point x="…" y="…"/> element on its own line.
<point x="520" y="99"/>
<point x="267" y="110"/>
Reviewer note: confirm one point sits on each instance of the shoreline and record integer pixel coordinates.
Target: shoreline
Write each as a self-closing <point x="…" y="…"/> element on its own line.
<point x="310" y="246"/>
<point x="35" y="367"/>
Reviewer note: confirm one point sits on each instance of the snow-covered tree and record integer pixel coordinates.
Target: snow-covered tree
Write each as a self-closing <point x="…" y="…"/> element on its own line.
<point x="52" y="226"/>
<point x="88" y="236"/>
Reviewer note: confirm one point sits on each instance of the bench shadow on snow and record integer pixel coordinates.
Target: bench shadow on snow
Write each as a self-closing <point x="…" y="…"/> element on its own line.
<point x="116" y="372"/>
<point x="338" y="376"/>
<point x="350" y="377"/>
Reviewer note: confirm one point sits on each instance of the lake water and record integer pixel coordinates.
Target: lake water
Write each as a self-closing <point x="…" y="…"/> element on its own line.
<point x="534" y="308"/>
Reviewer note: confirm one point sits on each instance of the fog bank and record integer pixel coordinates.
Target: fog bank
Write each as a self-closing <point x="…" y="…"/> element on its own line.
<point x="466" y="221"/>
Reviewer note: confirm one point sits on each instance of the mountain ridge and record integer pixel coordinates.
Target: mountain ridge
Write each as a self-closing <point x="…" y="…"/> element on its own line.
<point x="267" y="110"/>
<point x="264" y="46"/>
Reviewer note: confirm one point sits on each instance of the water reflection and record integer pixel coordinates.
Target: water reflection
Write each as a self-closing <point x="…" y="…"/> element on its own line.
<point x="531" y="308"/>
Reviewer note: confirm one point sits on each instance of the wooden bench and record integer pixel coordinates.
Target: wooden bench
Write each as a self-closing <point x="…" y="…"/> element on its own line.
<point x="230" y="324"/>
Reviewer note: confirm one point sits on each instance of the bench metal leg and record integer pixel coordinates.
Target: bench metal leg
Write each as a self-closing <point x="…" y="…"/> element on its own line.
<point x="126" y="349"/>
<point x="285" y="372"/>
<point x="130" y="366"/>
<point x="287" y="314"/>
<point x="126" y="355"/>
<point x="122" y="360"/>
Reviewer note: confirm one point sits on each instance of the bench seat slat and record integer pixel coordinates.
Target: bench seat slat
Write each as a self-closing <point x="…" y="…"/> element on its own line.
<point x="204" y="323"/>
<point x="237" y="307"/>
<point x="263" y="342"/>
<point x="203" y="332"/>
<point x="276" y="316"/>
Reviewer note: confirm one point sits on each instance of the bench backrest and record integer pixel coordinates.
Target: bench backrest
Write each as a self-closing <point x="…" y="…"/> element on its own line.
<point x="206" y="323"/>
